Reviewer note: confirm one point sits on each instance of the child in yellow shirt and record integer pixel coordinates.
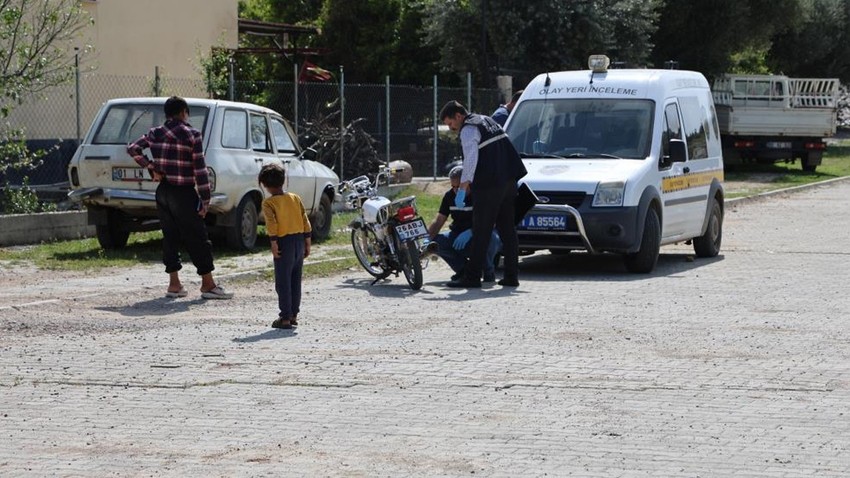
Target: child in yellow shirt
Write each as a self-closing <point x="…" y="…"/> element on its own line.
<point x="289" y="233"/>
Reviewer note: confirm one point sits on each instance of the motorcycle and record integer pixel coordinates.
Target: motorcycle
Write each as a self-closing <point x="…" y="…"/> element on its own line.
<point x="388" y="236"/>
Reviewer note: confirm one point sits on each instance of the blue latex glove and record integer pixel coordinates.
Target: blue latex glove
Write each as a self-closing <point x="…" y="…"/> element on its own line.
<point x="462" y="239"/>
<point x="460" y="197"/>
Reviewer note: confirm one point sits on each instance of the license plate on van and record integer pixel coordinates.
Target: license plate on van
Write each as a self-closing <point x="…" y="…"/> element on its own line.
<point x="411" y="230"/>
<point x="130" y="174"/>
<point x="544" y="222"/>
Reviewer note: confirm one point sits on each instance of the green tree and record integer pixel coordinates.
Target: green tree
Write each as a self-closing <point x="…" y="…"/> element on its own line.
<point x="704" y="36"/>
<point x="34" y="55"/>
<point x="819" y="46"/>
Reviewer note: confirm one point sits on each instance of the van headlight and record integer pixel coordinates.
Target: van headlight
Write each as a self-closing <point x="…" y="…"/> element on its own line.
<point x="609" y="194"/>
<point x="211" y="175"/>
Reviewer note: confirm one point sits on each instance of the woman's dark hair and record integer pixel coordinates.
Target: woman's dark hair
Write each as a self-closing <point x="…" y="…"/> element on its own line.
<point x="174" y="106"/>
<point x="452" y="108"/>
<point x="272" y="176"/>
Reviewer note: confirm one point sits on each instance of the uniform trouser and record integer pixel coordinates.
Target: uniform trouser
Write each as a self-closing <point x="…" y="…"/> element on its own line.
<point x="177" y="207"/>
<point x="287" y="274"/>
<point x="456" y="259"/>
<point x="493" y="206"/>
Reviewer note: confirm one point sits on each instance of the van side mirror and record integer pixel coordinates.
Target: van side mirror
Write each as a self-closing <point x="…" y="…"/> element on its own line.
<point x="677" y="153"/>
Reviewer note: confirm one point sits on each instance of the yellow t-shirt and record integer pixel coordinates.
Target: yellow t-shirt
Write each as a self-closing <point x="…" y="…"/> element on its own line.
<point x="285" y="215"/>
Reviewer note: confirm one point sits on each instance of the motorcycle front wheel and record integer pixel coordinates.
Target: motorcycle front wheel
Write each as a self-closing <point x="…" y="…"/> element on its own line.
<point x="410" y="264"/>
<point x="367" y="248"/>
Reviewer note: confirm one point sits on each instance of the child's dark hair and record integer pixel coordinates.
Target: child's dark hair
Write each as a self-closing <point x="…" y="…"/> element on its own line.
<point x="272" y="176"/>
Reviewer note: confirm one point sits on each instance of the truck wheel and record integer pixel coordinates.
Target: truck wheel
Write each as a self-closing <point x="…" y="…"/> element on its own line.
<point x="810" y="161"/>
<point x="708" y="245"/>
<point x="321" y="219"/>
<point x="243" y="235"/>
<point x="643" y="261"/>
<point x="113" y="234"/>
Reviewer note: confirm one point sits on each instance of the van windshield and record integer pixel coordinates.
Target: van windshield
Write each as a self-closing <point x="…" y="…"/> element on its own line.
<point x="124" y="124"/>
<point x="583" y="128"/>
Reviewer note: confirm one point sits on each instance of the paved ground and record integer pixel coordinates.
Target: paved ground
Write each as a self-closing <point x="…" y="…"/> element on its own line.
<point x="738" y="365"/>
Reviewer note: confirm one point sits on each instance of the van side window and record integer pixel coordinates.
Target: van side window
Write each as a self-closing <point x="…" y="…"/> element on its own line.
<point x="695" y="127"/>
<point x="672" y="129"/>
<point x="234" y="129"/>
<point x="260" y="139"/>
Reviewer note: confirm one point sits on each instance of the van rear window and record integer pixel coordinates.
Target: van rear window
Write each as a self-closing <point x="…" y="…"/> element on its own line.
<point x="124" y="124"/>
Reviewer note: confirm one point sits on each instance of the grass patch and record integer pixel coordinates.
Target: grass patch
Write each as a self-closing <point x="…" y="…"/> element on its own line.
<point x="769" y="177"/>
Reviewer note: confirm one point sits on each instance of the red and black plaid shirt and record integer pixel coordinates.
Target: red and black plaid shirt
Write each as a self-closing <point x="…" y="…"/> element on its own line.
<point x="178" y="154"/>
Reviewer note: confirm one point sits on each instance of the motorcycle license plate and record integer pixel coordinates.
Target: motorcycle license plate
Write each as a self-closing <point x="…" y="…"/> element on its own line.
<point x="411" y="230"/>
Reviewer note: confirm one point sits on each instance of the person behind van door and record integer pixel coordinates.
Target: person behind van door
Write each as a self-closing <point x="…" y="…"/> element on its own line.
<point x="289" y="233"/>
<point x="454" y="244"/>
<point x="503" y="111"/>
<point x="182" y="196"/>
<point x="492" y="166"/>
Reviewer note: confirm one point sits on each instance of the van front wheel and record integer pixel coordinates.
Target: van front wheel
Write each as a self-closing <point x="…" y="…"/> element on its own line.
<point x="643" y="261"/>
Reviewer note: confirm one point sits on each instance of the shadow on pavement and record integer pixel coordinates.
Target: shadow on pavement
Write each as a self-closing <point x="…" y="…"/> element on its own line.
<point x="160" y="306"/>
<point x="268" y="335"/>
<point x="395" y="287"/>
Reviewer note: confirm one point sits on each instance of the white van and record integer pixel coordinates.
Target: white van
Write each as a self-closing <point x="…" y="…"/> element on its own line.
<point x="622" y="161"/>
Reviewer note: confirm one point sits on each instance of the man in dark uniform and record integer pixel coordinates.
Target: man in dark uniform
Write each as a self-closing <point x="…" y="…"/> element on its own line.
<point x="491" y="167"/>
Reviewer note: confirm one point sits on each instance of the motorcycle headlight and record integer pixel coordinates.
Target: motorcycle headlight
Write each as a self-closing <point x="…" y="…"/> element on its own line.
<point x="609" y="194"/>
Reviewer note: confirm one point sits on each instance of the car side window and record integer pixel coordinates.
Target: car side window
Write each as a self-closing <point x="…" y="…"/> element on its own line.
<point x="260" y="139"/>
<point x="234" y="130"/>
<point x="282" y="139"/>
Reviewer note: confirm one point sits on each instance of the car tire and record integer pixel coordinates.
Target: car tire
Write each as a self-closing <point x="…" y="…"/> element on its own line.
<point x="242" y="235"/>
<point x="114" y="234"/>
<point x="321" y="219"/>
<point x="643" y="261"/>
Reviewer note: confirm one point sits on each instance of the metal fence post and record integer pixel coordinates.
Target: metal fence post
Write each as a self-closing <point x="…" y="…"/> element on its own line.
<point x="77" y="81"/>
<point x="156" y="84"/>
<point x="341" y="123"/>
<point x="231" y="80"/>
<point x="436" y="127"/>
<point x="469" y="91"/>
<point x="388" y="120"/>
<point x="295" y="96"/>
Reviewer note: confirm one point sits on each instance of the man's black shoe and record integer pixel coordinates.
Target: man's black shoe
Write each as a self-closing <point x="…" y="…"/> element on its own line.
<point x="489" y="277"/>
<point x="464" y="283"/>
<point x="509" y="282"/>
<point x="456" y="276"/>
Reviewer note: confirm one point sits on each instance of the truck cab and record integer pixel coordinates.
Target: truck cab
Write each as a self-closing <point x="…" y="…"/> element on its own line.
<point x="622" y="161"/>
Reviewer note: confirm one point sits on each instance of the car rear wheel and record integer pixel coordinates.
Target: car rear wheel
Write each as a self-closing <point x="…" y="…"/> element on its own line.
<point x="243" y="234"/>
<point x="114" y="234"/>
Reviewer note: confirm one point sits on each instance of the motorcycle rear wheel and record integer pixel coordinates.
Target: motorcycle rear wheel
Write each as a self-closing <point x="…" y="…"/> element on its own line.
<point x="410" y="264"/>
<point x="367" y="248"/>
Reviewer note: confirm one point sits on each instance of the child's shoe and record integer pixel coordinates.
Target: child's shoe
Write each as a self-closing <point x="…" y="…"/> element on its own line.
<point x="282" y="323"/>
<point x="293" y="320"/>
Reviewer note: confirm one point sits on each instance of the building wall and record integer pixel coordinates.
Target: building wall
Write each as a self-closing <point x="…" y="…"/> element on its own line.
<point x="129" y="40"/>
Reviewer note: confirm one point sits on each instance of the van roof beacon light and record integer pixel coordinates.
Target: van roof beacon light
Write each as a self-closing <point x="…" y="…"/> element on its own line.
<point x="598" y="63"/>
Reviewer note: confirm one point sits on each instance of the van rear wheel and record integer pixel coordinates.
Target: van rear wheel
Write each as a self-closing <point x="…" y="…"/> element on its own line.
<point x="708" y="245"/>
<point x="643" y="261"/>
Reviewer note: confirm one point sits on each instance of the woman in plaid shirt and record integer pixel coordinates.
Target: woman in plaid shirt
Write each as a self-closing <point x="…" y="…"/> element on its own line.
<point x="182" y="197"/>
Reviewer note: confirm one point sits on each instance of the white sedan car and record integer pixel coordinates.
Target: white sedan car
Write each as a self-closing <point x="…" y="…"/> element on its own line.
<point x="239" y="138"/>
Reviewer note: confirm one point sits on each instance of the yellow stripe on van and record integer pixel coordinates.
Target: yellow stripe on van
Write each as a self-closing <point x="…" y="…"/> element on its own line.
<point x="693" y="180"/>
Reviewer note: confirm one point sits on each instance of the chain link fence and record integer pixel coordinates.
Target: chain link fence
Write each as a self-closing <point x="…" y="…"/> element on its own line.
<point x="402" y="118"/>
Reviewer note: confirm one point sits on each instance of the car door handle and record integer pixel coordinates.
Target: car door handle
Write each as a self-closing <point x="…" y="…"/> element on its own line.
<point x="286" y="161"/>
<point x="686" y="170"/>
<point x="258" y="160"/>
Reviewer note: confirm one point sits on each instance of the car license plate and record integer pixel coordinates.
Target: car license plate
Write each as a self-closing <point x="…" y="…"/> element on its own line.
<point x="544" y="222"/>
<point x="411" y="230"/>
<point x="779" y="144"/>
<point x="130" y="174"/>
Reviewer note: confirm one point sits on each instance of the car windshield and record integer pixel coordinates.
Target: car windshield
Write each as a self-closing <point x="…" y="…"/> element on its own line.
<point x="583" y="128"/>
<point x="124" y="124"/>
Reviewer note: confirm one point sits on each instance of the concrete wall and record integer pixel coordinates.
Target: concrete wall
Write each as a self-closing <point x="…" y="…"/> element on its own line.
<point x="18" y="229"/>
